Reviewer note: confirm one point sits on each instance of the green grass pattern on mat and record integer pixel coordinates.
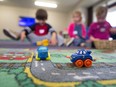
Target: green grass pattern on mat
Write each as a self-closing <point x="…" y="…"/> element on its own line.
<point x="7" y="80"/>
<point x="59" y="56"/>
<point x="91" y="83"/>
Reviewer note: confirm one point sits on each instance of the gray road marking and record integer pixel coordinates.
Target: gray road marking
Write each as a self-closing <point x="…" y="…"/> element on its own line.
<point x="85" y="77"/>
<point x="55" y="73"/>
<point x="36" y="63"/>
<point x="71" y="73"/>
<point x="43" y="69"/>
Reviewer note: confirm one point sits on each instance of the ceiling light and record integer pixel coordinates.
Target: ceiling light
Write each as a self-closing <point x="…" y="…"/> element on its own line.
<point x="1" y="0"/>
<point x="45" y="4"/>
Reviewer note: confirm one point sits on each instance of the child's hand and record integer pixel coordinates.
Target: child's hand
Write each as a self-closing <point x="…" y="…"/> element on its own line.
<point x="97" y="39"/>
<point x="94" y="39"/>
<point x="53" y="39"/>
<point x="23" y="35"/>
<point x="113" y="30"/>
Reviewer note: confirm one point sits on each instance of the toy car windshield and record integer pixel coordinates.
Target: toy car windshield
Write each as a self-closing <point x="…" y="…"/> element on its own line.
<point x="81" y="52"/>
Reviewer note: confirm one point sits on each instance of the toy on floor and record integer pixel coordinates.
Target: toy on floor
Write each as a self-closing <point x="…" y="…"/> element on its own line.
<point x="44" y="42"/>
<point x="82" y="58"/>
<point x="43" y="53"/>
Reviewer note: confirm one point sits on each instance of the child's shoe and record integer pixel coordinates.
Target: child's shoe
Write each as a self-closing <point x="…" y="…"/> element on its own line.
<point x="70" y="42"/>
<point x="11" y="34"/>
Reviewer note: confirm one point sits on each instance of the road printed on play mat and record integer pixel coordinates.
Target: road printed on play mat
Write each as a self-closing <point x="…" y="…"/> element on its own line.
<point x="52" y="74"/>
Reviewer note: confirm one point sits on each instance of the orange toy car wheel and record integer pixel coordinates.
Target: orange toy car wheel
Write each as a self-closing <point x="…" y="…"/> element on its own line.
<point x="88" y="63"/>
<point x="79" y="63"/>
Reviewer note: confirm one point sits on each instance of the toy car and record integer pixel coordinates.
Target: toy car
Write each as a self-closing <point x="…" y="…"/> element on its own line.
<point x="42" y="43"/>
<point x="82" y="58"/>
<point x="43" y="53"/>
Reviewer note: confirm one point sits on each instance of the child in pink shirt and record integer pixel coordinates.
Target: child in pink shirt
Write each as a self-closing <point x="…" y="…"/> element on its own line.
<point x="77" y="30"/>
<point x="101" y="29"/>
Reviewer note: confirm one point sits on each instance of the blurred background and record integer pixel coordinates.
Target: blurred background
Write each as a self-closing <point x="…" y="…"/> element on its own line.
<point x="13" y="11"/>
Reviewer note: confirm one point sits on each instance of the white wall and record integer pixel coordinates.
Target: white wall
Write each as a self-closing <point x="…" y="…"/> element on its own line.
<point x="9" y="17"/>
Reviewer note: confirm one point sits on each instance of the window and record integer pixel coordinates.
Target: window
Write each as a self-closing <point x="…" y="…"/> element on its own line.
<point x="84" y="52"/>
<point x="80" y="52"/>
<point x="111" y="16"/>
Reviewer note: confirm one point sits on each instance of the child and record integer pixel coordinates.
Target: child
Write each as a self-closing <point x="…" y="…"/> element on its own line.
<point x="101" y="29"/>
<point x="38" y="31"/>
<point x="76" y="30"/>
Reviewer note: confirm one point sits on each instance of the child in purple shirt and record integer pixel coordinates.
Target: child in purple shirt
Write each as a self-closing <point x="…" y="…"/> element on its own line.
<point x="101" y="29"/>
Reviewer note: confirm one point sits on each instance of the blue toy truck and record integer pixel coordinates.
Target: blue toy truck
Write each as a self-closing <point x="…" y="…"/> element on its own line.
<point x="82" y="58"/>
<point x="42" y="53"/>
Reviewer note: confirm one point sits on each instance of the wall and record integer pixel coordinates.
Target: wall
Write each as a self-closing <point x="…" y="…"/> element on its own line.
<point x="9" y="17"/>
